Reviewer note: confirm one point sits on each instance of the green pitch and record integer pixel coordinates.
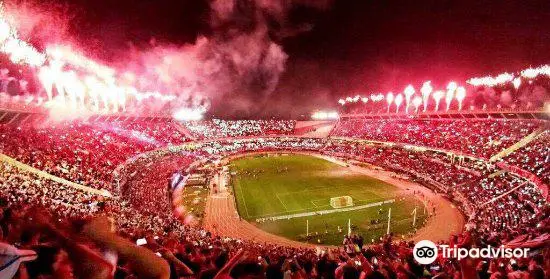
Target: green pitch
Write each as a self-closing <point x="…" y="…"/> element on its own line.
<point x="281" y="185"/>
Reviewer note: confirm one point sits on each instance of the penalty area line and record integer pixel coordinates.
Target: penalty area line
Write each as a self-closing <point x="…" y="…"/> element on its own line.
<point x="316" y="205"/>
<point x="277" y="195"/>
<point x="328" y="211"/>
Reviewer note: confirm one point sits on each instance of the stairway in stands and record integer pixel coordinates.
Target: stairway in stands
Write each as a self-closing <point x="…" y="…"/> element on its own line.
<point x="523" y="142"/>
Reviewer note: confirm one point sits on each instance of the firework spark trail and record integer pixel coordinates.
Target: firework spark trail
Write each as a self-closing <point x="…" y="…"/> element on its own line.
<point x="241" y="60"/>
<point x="71" y="80"/>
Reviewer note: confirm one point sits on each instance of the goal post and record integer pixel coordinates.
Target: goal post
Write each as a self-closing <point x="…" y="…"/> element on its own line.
<point x="339" y="202"/>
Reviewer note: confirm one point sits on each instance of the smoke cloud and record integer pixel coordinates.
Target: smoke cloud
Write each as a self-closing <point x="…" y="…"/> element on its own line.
<point x="237" y="66"/>
<point x="43" y="22"/>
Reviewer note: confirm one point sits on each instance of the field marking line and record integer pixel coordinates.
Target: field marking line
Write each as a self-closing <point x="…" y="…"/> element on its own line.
<point x="379" y="198"/>
<point x="281" y="212"/>
<point x="244" y="200"/>
<point x="325" y="187"/>
<point x="355" y="201"/>
<point x="315" y="205"/>
<point x="369" y="200"/>
<point x="312" y="189"/>
<point x="313" y="202"/>
<point x="306" y="190"/>
<point x="328" y="211"/>
<point x="277" y="195"/>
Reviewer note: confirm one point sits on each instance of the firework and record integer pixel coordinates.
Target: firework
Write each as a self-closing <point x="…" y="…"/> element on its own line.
<point x="409" y="91"/>
<point x="398" y="101"/>
<point x="417" y="101"/>
<point x="377" y="97"/>
<point x="72" y="79"/>
<point x="389" y="99"/>
<point x="437" y="95"/>
<point x="535" y="72"/>
<point x="426" y="90"/>
<point x="516" y="82"/>
<point x="449" y="98"/>
<point x="491" y="81"/>
<point x="451" y="88"/>
<point x="460" y="95"/>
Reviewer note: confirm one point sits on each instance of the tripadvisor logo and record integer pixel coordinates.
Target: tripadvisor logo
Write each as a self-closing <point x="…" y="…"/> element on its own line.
<point x="425" y="252"/>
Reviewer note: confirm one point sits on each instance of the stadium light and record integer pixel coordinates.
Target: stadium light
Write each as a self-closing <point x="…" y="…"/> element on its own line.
<point x="324" y="115"/>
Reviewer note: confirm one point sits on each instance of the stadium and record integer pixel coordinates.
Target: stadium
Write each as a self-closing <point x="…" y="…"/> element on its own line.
<point x="110" y="172"/>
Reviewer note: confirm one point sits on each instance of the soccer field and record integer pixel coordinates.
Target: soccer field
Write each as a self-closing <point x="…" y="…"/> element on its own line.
<point x="294" y="185"/>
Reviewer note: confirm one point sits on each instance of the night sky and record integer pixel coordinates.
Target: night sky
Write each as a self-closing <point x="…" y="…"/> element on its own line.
<point x="351" y="46"/>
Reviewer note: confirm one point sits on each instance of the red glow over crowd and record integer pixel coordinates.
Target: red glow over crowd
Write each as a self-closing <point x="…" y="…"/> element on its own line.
<point x="134" y="159"/>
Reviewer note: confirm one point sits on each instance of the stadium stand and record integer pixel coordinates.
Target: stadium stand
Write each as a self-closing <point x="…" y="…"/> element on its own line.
<point x="135" y="162"/>
<point x="534" y="157"/>
<point x="239" y="128"/>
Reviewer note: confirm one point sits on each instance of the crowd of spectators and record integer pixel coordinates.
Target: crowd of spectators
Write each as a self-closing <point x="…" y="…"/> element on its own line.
<point x="435" y="168"/>
<point x="146" y="181"/>
<point x="160" y="132"/>
<point x="79" y="152"/>
<point x="91" y="249"/>
<point x="504" y="203"/>
<point x="18" y="186"/>
<point x="228" y="147"/>
<point x="77" y="241"/>
<point x="479" y="138"/>
<point x="217" y="128"/>
<point x="534" y="157"/>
